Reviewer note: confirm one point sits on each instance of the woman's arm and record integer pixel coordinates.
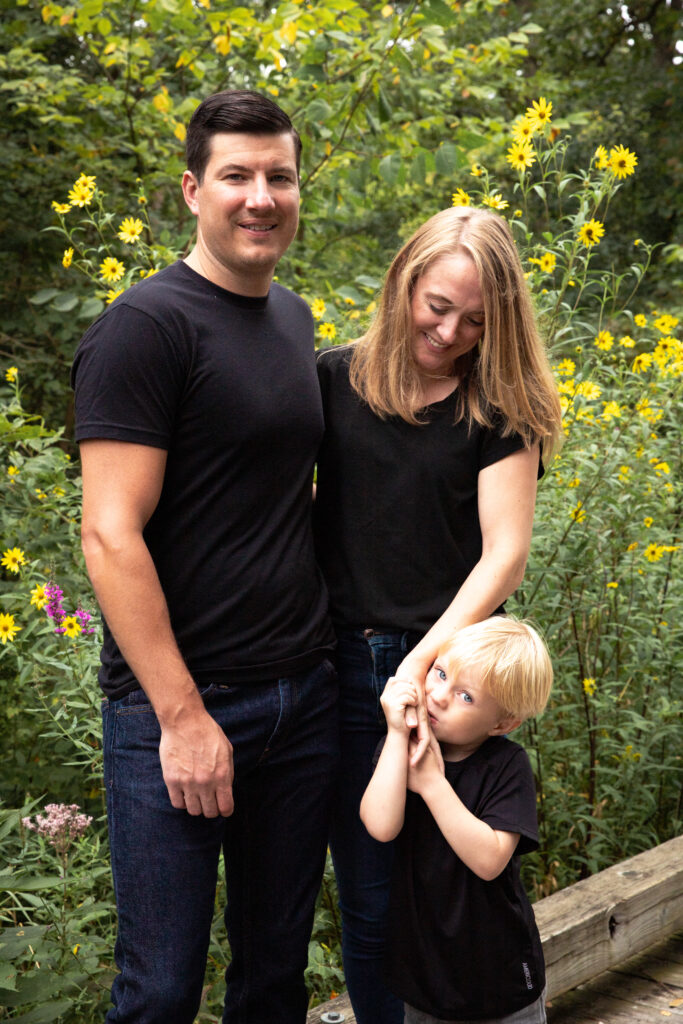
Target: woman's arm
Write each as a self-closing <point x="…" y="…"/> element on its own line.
<point x="506" y="501"/>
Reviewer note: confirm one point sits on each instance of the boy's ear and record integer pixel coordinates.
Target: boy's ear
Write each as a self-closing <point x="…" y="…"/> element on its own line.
<point x="505" y="725"/>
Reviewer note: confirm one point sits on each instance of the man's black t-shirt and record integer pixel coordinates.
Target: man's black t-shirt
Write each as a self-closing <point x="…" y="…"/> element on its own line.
<point x="460" y="948"/>
<point x="227" y="386"/>
<point x="396" y="516"/>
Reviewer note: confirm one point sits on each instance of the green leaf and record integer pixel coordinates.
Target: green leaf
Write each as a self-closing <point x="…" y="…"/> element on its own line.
<point x="437" y="11"/>
<point x="390" y="168"/>
<point x="447" y="158"/>
<point x="65" y="302"/>
<point x="90" y="309"/>
<point x="45" y="1014"/>
<point x="43" y="296"/>
<point x="26" y="883"/>
<point x="13" y="941"/>
<point x="470" y="140"/>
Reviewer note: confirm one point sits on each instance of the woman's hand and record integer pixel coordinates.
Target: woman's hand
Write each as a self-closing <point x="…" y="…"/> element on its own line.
<point x="399" y="702"/>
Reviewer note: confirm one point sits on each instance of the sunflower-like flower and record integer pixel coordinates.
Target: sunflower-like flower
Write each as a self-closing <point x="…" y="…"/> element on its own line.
<point x="539" y="114"/>
<point x="520" y="155"/>
<point x="111" y="269"/>
<point x="460" y="198"/>
<point x="130" y="230"/>
<point x="622" y="161"/>
<point x="591" y="232"/>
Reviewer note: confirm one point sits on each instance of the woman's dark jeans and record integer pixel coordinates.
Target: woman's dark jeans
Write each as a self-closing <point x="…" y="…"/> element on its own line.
<point x="284" y="735"/>
<point x="365" y="660"/>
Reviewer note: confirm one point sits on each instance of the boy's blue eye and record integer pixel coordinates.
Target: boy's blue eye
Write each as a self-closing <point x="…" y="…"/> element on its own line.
<point x="441" y="674"/>
<point x="467" y="699"/>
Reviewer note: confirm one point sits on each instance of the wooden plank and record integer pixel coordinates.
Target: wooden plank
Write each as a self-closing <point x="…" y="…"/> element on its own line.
<point x="603" y="920"/>
<point x="342" y="1005"/>
<point x="629" y="995"/>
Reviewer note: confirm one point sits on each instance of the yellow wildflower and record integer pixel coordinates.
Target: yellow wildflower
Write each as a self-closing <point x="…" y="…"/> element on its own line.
<point x="8" y="627"/>
<point x="71" y="626"/>
<point x="327" y="331"/>
<point x="13" y="559"/>
<point x="130" y="229"/>
<point x="67" y="257"/>
<point x="665" y="323"/>
<point x="587" y="389"/>
<point x="648" y="521"/>
<point x="61" y="207"/>
<point x="460" y="198"/>
<point x="578" y="514"/>
<point x="591" y="232"/>
<point x="627" y="341"/>
<point x="548" y="261"/>
<point x="112" y="294"/>
<point x="495" y="201"/>
<point x="622" y="161"/>
<point x="566" y="367"/>
<point x="476" y="170"/>
<point x="612" y="585"/>
<point x="601" y="158"/>
<point x="640" y="320"/>
<point x="662" y="468"/>
<point x="589" y="686"/>
<point x="611" y="411"/>
<point x="642" y="362"/>
<point x="38" y="596"/>
<point x="604" y="341"/>
<point x="539" y="113"/>
<point x="111" y="269"/>
<point x="653" y="552"/>
<point x="520" y="155"/>
<point x="523" y="130"/>
<point x="317" y="308"/>
<point x="11" y="374"/>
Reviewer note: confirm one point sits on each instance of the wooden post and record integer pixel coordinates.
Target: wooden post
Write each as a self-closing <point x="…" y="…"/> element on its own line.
<point x="596" y="923"/>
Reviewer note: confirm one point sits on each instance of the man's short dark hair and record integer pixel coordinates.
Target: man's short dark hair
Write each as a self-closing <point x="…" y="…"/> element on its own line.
<point x="234" y="110"/>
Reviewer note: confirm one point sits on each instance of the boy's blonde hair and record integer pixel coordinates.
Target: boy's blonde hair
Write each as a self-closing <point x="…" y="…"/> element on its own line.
<point x="513" y="661"/>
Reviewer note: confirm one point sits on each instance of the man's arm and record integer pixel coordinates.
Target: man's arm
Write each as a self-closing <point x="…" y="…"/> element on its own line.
<point x="484" y="850"/>
<point x="121" y="487"/>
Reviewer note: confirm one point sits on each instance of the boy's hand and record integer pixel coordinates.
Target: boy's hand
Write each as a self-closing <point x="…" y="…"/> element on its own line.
<point x="398" y="695"/>
<point x="428" y="766"/>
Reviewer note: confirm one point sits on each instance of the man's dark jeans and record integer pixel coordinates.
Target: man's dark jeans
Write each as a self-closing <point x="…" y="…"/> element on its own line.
<point x="285" y="737"/>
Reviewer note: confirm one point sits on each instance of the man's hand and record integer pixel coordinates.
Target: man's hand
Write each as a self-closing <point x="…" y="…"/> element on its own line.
<point x="399" y="695"/>
<point x="196" y="759"/>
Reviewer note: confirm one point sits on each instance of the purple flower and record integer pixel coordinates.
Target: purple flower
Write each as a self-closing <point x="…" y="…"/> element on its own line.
<point x="61" y="825"/>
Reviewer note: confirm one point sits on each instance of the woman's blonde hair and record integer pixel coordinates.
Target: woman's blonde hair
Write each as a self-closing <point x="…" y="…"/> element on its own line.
<point x="510" y="659"/>
<point x="507" y="373"/>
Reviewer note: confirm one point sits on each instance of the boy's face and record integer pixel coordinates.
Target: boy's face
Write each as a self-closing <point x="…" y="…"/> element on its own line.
<point x="462" y="713"/>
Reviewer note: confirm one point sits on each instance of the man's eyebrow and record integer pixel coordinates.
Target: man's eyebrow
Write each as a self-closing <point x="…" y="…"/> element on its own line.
<point x="278" y="169"/>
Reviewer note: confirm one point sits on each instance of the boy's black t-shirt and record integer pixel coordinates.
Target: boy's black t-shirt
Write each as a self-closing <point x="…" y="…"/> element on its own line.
<point x="227" y="386"/>
<point x="458" y="947"/>
<point x="396" y="517"/>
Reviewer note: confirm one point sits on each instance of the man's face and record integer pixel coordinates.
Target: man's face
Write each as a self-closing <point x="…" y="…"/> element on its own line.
<point x="247" y="209"/>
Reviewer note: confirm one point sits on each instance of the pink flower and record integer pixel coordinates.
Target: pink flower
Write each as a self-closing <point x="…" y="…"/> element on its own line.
<point x="61" y="825"/>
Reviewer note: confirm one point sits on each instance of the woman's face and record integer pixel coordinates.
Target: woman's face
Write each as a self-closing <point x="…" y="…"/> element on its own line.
<point x="447" y="314"/>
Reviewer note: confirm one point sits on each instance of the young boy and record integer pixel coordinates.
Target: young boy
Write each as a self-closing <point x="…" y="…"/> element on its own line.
<point x="462" y="938"/>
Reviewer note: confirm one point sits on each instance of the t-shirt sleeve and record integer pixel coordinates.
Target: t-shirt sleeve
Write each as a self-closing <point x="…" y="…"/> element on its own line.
<point x="495" y="447"/>
<point x="510" y="803"/>
<point x="128" y="379"/>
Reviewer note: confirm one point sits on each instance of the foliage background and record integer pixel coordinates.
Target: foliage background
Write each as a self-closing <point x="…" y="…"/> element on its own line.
<point x="395" y="103"/>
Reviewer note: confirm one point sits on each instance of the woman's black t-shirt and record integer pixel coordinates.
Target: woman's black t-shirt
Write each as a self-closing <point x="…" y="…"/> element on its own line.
<point x="396" y="518"/>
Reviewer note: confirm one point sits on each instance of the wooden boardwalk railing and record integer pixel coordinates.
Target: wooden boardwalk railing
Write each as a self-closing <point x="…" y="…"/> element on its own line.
<point x="596" y="925"/>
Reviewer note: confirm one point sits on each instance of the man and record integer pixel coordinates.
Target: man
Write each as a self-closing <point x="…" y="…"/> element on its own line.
<point x="198" y="416"/>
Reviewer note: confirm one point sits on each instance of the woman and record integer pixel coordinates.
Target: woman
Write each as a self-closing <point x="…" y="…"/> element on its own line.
<point x="424" y="509"/>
